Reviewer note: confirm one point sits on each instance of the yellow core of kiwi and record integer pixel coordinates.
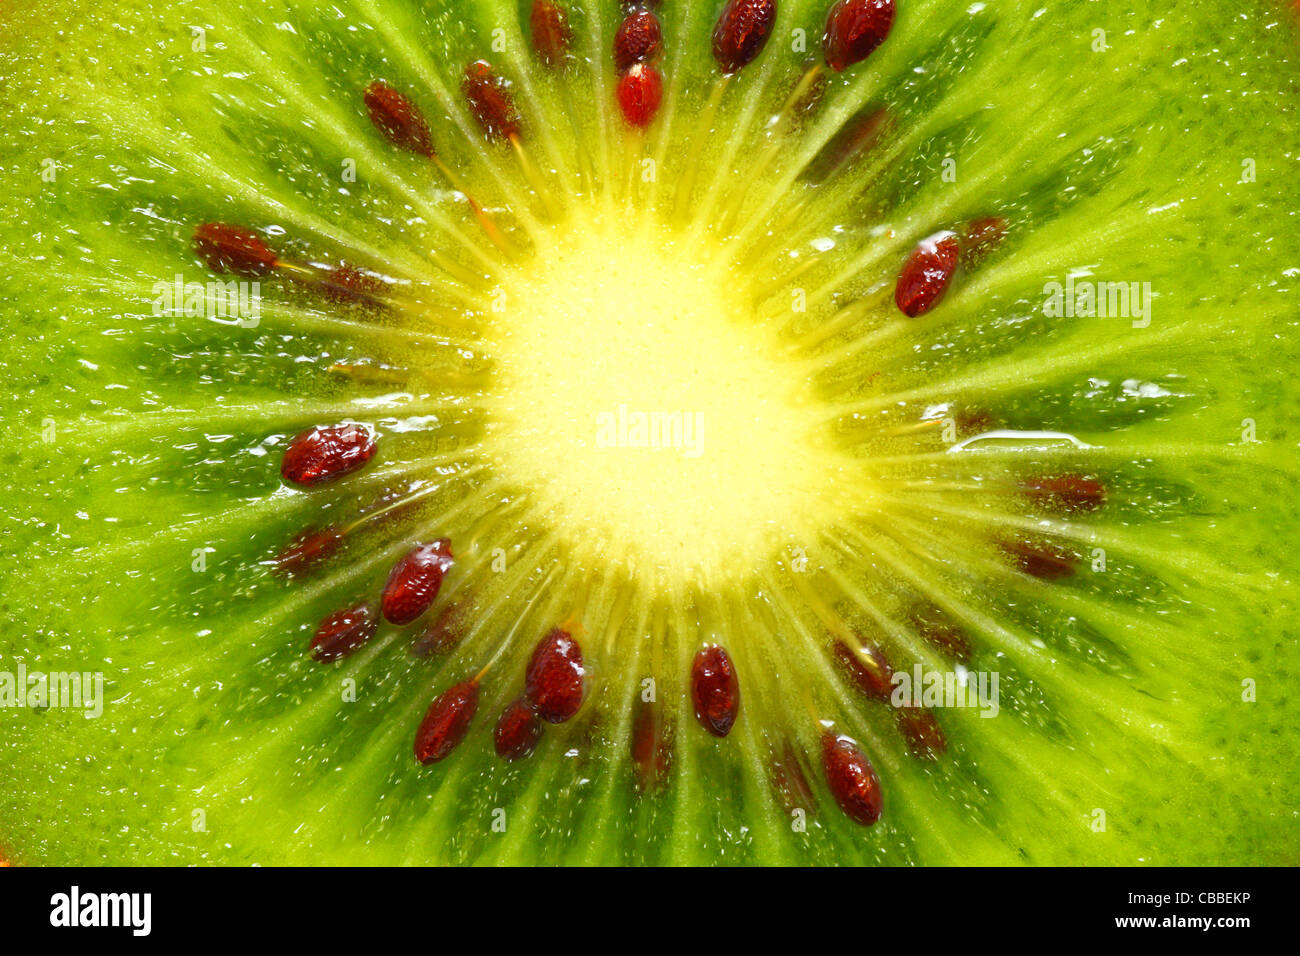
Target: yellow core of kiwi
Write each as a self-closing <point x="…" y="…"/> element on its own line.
<point x="646" y="409"/>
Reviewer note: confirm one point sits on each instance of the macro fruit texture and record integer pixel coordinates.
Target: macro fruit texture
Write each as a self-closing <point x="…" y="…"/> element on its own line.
<point x="861" y="340"/>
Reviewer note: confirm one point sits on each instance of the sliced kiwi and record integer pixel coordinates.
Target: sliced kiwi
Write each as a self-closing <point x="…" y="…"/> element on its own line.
<point x="629" y="398"/>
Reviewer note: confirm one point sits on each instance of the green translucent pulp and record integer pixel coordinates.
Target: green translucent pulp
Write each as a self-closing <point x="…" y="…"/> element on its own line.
<point x="140" y="467"/>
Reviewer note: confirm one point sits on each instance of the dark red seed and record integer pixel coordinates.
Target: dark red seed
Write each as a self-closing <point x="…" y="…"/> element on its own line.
<point x="920" y="729"/>
<point x="926" y="273"/>
<point x="348" y="284"/>
<point x="715" y="690"/>
<point x="1042" y="559"/>
<point x="326" y="453"/>
<point x="1067" y="492"/>
<point x="554" y="681"/>
<point x="852" y="779"/>
<point x="868" y="669"/>
<point x="552" y="34"/>
<point x="742" y="31"/>
<point x="447" y="722"/>
<point x="517" y="730"/>
<point x="343" y="632"/>
<point x="227" y="248"/>
<point x="490" y="101"/>
<point x="307" y="551"/>
<point x="854" y="28"/>
<point x="980" y="237"/>
<point x="640" y="90"/>
<point x="447" y="628"/>
<point x="651" y="747"/>
<point x="941" y="631"/>
<point x="398" y="118"/>
<point x="414" y="581"/>
<point x="790" y="782"/>
<point x="638" y="39"/>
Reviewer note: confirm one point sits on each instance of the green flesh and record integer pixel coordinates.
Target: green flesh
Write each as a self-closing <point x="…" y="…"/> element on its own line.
<point x="1121" y="690"/>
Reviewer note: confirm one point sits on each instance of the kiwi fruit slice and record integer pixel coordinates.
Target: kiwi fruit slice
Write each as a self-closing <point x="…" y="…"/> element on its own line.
<point x="483" y="431"/>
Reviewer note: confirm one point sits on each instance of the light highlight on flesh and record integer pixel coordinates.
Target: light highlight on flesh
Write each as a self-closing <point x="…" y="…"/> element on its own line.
<point x="642" y="405"/>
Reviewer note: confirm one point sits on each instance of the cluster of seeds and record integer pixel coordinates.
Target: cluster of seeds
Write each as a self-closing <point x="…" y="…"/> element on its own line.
<point x="555" y="682"/>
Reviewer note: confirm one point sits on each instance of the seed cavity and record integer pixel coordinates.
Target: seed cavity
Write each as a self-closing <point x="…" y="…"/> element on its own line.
<point x="552" y="35"/>
<point x="326" y="453"/>
<point x="926" y="274"/>
<point x="859" y="135"/>
<point x="1041" y="558"/>
<point x="639" y="39"/>
<point x="941" y="631"/>
<point x="980" y="237"/>
<point x="307" y="551"/>
<point x="414" y="581"/>
<point x="517" y="730"/>
<point x="741" y="32"/>
<point x="789" y="781"/>
<point x="347" y="284"/>
<point x="446" y="722"/>
<point x="921" y="731"/>
<point x="396" y="116"/>
<point x="554" y="682"/>
<point x="651" y="746"/>
<point x="851" y="778"/>
<point x="342" y="632"/>
<point x="640" y="91"/>
<point x="867" y="668"/>
<point x="715" y="690"/>
<point x="854" y="28"/>
<point x="227" y="248"/>
<point x="1066" y="492"/>
<point x="447" y="629"/>
<point x="491" y="101"/>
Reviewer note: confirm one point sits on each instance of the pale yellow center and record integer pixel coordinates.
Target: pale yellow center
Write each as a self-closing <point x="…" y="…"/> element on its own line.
<point x="645" y="411"/>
